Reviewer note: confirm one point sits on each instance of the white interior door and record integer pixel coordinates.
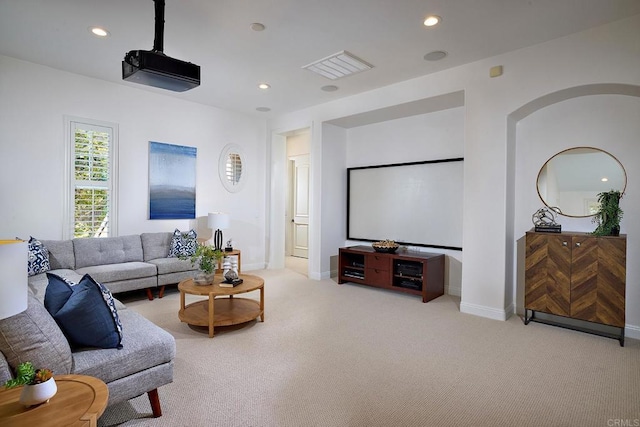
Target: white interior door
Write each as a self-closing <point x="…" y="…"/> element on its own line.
<point x="300" y="206"/>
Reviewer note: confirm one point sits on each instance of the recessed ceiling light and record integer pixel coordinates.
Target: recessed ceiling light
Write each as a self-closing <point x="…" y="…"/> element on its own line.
<point x="100" y="32"/>
<point x="263" y="109"/>
<point x="264" y="86"/>
<point x="329" y="88"/>
<point x="432" y="20"/>
<point x="256" y="26"/>
<point x="436" y="55"/>
<point x="605" y="179"/>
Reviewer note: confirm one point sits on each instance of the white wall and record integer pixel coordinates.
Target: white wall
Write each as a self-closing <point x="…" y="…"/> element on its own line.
<point x="298" y="144"/>
<point x="433" y="136"/>
<point x="33" y="101"/>
<point x="607" y="54"/>
<point x="334" y="199"/>
<point x="609" y="122"/>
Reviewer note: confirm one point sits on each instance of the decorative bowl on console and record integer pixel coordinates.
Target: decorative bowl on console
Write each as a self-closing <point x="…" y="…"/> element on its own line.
<point x="385" y="246"/>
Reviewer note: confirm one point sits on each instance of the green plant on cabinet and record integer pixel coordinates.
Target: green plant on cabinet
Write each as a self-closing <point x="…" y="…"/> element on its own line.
<point x="609" y="214"/>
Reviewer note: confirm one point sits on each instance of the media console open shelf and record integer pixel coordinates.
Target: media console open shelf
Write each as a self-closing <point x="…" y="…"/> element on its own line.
<point x="417" y="273"/>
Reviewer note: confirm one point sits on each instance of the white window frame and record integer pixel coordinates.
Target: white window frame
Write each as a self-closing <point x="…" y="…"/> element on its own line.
<point x="70" y="123"/>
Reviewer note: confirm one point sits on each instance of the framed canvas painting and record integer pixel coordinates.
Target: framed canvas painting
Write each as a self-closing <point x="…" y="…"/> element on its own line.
<point x="172" y="181"/>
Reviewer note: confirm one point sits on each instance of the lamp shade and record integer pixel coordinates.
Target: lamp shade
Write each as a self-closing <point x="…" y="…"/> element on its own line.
<point x="13" y="277"/>
<point x="218" y="220"/>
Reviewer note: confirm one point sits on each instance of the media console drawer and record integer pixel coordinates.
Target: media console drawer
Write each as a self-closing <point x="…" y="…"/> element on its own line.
<point x="381" y="262"/>
<point x="375" y="276"/>
<point x="418" y="273"/>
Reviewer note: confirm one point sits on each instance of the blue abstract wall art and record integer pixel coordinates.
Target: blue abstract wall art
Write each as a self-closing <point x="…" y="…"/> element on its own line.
<point x="172" y="181"/>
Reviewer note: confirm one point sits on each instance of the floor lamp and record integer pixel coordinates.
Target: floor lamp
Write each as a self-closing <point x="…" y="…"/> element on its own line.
<point x="13" y="280"/>
<point x="218" y="221"/>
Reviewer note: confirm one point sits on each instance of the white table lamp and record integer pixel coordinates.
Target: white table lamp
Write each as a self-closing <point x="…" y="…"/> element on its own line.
<point x="13" y="277"/>
<point x="218" y="221"/>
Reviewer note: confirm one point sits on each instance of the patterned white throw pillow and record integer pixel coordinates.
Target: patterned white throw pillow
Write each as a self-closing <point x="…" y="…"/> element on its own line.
<point x="38" y="261"/>
<point x="183" y="244"/>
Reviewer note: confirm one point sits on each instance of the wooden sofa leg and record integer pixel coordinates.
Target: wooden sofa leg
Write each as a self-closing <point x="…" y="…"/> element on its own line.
<point x="149" y="294"/>
<point x="161" y="292"/>
<point x="154" y="399"/>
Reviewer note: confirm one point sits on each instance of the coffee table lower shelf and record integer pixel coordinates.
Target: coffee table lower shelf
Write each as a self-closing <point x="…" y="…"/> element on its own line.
<point x="221" y="307"/>
<point x="227" y="312"/>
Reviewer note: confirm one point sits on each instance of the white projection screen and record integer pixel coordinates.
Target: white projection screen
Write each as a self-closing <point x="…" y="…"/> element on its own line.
<point x="416" y="204"/>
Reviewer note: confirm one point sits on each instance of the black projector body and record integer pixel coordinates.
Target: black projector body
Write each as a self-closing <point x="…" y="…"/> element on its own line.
<point x="156" y="69"/>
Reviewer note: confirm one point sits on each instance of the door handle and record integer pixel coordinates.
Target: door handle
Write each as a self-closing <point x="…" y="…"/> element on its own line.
<point x="564" y="243"/>
<point x="578" y="244"/>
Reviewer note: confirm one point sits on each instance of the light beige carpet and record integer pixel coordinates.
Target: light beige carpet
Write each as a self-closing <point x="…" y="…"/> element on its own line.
<point x="350" y="355"/>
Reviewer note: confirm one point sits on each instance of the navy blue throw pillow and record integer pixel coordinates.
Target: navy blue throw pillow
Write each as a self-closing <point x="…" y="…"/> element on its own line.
<point x="85" y="312"/>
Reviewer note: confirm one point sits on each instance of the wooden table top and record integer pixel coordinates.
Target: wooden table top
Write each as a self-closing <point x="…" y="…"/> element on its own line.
<point x="250" y="283"/>
<point x="80" y="401"/>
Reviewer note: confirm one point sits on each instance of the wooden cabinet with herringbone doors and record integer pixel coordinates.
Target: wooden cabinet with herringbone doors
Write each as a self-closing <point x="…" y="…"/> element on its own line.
<point x="576" y="275"/>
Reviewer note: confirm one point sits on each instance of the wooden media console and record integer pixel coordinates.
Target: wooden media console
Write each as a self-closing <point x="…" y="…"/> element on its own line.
<point x="416" y="273"/>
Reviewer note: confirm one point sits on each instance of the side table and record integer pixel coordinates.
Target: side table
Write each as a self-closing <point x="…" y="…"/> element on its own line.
<point x="234" y="252"/>
<point x="80" y="401"/>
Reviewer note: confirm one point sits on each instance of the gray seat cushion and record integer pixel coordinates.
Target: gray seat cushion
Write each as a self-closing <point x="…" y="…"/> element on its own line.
<point x="5" y="370"/>
<point x="174" y="278"/>
<point x="173" y="265"/>
<point x="118" y="272"/>
<point x="144" y="345"/>
<point x="33" y="336"/>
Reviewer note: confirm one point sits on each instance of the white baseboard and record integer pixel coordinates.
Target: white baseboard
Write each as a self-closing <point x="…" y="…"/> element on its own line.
<point x="454" y="290"/>
<point x="250" y="267"/>
<point x="488" y="312"/>
<point x="315" y="276"/>
<point x="632" y="331"/>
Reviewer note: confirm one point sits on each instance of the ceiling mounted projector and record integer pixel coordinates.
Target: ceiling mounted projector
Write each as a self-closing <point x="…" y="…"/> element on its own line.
<point x="154" y="68"/>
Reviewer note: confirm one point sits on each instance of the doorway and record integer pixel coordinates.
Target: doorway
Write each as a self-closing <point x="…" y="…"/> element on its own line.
<point x="297" y="201"/>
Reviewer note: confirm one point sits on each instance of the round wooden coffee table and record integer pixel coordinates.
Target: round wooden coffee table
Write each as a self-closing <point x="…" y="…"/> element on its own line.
<point x="214" y="311"/>
<point x="79" y="401"/>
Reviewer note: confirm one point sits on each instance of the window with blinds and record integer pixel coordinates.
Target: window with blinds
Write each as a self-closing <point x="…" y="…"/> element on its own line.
<point x="234" y="168"/>
<point x="92" y="164"/>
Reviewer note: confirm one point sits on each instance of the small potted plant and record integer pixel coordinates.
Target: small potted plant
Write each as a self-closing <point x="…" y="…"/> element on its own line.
<point x="208" y="258"/>
<point x="609" y="214"/>
<point x="39" y="385"/>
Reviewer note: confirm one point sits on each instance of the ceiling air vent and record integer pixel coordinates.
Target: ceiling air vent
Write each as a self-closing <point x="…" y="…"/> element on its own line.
<point x="338" y="65"/>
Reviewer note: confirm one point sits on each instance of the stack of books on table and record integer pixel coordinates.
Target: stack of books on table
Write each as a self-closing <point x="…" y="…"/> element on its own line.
<point x="231" y="284"/>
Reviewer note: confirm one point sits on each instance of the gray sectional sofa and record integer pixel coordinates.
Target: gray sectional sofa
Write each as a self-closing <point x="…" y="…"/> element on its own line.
<point x="122" y="264"/>
<point x="145" y="361"/>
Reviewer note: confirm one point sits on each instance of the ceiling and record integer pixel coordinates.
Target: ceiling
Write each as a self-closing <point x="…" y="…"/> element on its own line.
<point x="216" y="35"/>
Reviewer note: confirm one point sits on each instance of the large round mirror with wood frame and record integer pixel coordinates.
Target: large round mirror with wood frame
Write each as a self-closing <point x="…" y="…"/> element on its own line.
<point x="569" y="182"/>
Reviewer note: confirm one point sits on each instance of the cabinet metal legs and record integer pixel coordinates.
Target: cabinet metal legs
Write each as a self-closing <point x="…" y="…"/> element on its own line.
<point x="533" y="318"/>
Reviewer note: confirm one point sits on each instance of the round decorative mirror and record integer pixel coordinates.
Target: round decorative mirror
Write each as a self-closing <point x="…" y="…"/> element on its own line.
<point x="570" y="181"/>
<point x="231" y="168"/>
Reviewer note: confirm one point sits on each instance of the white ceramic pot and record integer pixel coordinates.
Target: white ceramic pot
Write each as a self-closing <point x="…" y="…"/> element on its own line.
<point x="38" y="393"/>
